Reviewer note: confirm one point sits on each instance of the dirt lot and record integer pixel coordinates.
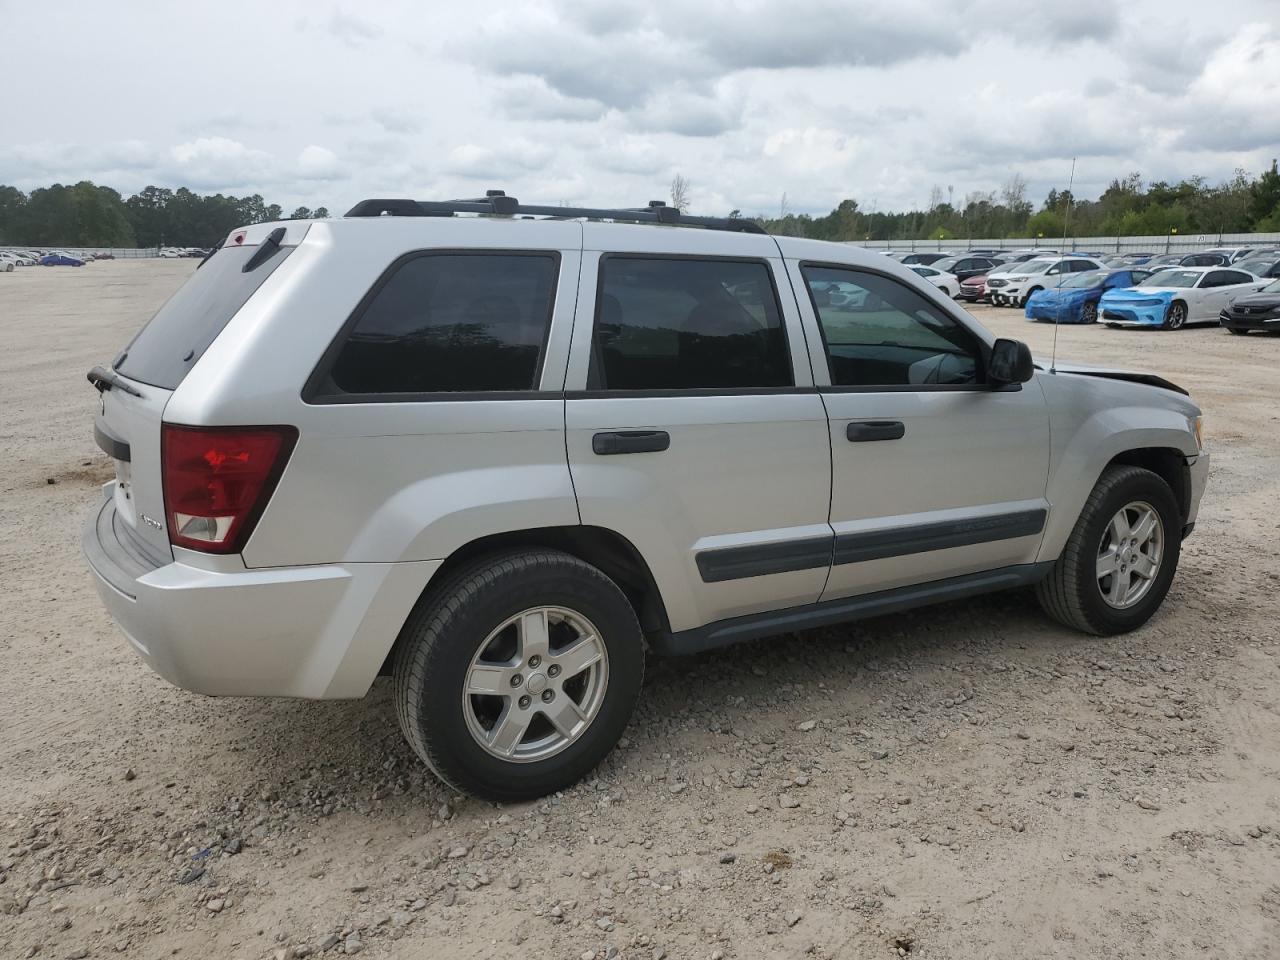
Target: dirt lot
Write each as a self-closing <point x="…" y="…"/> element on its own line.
<point x="969" y="781"/>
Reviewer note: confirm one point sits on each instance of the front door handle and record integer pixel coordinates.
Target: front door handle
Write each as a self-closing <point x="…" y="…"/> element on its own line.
<point x="630" y="441"/>
<point x="860" y="431"/>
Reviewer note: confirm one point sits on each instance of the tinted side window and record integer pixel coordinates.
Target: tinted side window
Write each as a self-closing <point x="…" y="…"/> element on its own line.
<point x="883" y="333"/>
<point x="687" y="324"/>
<point x="449" y="323"/>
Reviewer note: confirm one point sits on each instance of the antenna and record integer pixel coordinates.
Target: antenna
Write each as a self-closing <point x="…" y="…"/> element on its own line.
<point x="1066" y="219"/>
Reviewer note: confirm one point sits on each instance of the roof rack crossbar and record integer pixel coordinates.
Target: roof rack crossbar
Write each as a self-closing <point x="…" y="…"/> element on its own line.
<point x="496" y="203"/>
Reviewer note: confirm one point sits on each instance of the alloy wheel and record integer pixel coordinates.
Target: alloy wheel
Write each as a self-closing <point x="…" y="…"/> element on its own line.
<point x="535" y="684"/>
<point x="1129" y="554"/>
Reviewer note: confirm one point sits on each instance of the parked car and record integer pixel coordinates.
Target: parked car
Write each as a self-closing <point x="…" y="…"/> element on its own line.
<point x="1267" y="266"/>
<point x="1233" y="253"/>
<point x="60" y="259"/>
<point x="1173" y="297"/>
<point x="964" y="267"/>
<point x="944" y="281"/>
<point x="1013" y="288"/>
<point x="1254" y="312"/>
<point x="974" y="289"/>
<point x="1137" y="258"/>
<point x="587" y="439"/>
<point x="1205" y="259"/>
<point x="19" y="258"/>
<point x="923" y="259"/>
<point x="1165" y="260"/>
<point x="169" y="253"/>
<point x="1075" y="299"/>
<point x="6" y="264"/>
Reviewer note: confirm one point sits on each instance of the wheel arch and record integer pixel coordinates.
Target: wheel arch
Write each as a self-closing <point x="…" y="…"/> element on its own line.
<point x="601" y="547"/>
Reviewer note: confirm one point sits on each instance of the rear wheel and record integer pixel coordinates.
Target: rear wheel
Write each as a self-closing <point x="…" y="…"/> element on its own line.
<point x="519" y="675"/>
<point x="1120" y="559"/>
<point x="1176" y="317"/>
<point x="1089" y="313"/>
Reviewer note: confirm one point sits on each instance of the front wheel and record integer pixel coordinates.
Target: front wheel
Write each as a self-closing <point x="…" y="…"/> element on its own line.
<point x="519" y="675"/>
<point x="1030" y="293"/>
<point x="1120" y="559"/>
<point x="1176" y="317"/>
<point x="1089" y="313"/>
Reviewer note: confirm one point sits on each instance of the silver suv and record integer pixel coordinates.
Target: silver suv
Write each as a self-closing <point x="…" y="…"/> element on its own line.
<point x="498" y="451"/>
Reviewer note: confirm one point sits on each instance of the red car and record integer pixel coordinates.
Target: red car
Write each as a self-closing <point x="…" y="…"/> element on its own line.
<point x="974" y="289"/>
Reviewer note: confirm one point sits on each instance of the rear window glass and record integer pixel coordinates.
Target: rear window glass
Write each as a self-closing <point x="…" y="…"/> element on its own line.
<point x="449" y="323"/>
<point x="178" y="335"/>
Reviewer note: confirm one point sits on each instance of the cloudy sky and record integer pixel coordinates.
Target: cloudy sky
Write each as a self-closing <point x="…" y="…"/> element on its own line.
<point x="601" y="101"/>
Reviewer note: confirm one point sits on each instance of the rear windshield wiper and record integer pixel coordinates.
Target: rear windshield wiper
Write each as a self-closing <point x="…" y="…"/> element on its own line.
<point x="105" y="379"/>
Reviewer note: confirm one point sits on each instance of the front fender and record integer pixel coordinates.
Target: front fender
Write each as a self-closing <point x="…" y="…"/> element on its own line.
<point x="1091" y="424"/>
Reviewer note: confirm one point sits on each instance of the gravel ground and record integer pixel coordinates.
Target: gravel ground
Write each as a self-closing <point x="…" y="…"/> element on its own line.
<point x="967" y="781"/>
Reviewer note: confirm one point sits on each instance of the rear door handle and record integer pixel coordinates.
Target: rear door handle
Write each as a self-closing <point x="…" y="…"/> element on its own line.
<point x="860" y="431"/>
<point x="630" y="441"/>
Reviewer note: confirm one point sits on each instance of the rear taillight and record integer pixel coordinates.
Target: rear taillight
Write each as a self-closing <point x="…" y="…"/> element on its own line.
<point x="217" y="481"/>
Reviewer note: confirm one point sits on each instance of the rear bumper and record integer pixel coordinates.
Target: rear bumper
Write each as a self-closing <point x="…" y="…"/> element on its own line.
<point x="317" y="632"/>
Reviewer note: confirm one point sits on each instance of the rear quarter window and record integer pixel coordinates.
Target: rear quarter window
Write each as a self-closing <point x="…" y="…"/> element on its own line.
<point x="444" y="323"/>
<point x="171" y="343"/>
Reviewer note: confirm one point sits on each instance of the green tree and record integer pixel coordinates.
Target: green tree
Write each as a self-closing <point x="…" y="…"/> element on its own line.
<point x="320" y="213"/>
<point x="302" y="213"/>
<point x="1264" y="197"/>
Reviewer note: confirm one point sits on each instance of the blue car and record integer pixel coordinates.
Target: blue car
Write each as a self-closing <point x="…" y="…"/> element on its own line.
<point x="60" y="260"/>
<point x="1076" y="299"/>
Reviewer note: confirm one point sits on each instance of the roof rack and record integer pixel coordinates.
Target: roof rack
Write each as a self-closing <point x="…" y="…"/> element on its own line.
<point x="497" y="203"/>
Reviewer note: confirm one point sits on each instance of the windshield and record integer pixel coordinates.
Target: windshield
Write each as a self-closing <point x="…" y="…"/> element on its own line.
<point x="1258" y="267"/>
<point x="1172" y="278"/>
<point x="1272" y="287"/>
<point x="1092" y="278"/>
<point x="1033" y="266"/>
<point x="925" y="271"/>
<point x="946" y="263"/>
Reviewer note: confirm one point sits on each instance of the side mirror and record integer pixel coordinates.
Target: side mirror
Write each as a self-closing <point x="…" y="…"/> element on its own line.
<point x="1010" y="362"/>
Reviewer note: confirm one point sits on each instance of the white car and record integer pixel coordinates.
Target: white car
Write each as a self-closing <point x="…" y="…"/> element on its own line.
<point x="6" y="264"/>
<point x="17" y="258"/>
<point x="1172" y="298"/>
<point x="1013" y="287"/>
<point x="941" y="280"/>
<point x="169" y="253"/>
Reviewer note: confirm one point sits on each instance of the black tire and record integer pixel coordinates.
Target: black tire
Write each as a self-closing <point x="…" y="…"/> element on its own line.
<point x="1071" y="593"/>
<point x="1089" y="313"/>
<point x="1175" y="317"/>
<point x="1238" y="331"/>
<point x="444" y="633"/>
<point x="1029" y="294"/>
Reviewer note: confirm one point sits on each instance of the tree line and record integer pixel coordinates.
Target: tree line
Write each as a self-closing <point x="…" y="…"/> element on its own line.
<point x="88" y="215"/>
<point x="1127" y="208"/>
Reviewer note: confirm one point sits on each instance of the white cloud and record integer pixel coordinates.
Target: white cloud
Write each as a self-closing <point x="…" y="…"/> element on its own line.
<point x="318" y="163"/>
<point x="600" y="101"/>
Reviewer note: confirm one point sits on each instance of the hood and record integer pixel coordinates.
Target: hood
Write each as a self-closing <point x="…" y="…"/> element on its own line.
<point x="1143" y="293"/>
<point x="975" y="281"/>
<point x="1109" y="373"/>
<point x="1258" y="300"/>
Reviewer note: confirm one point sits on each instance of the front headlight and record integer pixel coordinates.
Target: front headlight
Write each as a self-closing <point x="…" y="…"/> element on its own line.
<point x="1197" y="427"/>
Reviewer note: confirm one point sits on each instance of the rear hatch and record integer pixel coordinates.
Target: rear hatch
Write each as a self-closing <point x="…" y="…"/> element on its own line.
<point x="143" y="377"/>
